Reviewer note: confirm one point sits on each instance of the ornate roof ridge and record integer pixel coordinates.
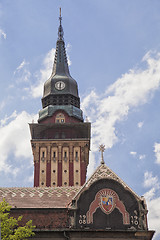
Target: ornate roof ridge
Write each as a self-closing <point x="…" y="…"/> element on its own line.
<point x="104" y="172"/>
<point x="40" y="188"/>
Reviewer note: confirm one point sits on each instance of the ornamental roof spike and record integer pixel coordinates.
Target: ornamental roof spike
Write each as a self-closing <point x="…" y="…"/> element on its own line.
<point x="60" y="29"/>
<point x="102" y="149"/>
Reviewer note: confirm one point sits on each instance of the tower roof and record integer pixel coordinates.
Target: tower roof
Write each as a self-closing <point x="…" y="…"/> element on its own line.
<point x="60" y="83"/>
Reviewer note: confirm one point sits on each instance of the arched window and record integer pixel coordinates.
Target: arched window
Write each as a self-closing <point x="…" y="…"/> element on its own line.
<point x="60" y="118"/>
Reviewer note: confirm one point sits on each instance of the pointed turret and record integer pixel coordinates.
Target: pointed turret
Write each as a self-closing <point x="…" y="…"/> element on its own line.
<point x="60" y="89"/>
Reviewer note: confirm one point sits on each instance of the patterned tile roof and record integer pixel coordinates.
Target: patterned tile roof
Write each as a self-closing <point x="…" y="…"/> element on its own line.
<point x="38" y="197"/>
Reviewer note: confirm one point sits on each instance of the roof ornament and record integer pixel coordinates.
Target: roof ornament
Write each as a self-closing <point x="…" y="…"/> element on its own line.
<point x="87" y="119"/>
<point x="60" y="29"/>
<point x="102" y="149"/>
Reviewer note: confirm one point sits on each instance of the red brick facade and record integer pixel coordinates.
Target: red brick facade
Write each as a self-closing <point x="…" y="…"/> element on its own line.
<point x="43" y="218"/>
<point x="68" y="119"/>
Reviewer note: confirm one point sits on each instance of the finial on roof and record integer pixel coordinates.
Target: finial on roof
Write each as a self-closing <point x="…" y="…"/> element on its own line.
<point x="102" y="149"/>
<point x="60" y="29"/>
<point x="60" y="18"/>
<point x="87" y="119"/>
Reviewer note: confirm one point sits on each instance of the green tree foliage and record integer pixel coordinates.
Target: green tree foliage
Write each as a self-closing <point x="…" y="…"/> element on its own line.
<point x="9" y="225"/>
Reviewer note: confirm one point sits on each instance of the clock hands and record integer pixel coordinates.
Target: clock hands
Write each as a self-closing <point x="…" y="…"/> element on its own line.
<point x="60" y="85"/>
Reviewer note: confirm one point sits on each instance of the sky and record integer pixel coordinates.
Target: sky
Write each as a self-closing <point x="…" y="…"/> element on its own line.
<point x="113" y="50"/>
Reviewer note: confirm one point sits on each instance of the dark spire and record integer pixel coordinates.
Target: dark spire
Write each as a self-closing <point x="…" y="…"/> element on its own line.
<point x="60" y="88"/>
<point x="60" y="66"/>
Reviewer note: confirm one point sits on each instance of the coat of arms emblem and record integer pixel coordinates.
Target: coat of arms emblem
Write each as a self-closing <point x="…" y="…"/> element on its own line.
<point x="107" y="203"/>
<point x="107" y="200"/>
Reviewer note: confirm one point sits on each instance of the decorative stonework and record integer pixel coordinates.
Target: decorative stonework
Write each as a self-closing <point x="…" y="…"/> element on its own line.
<point x="104" y="172"/>
<point x="107" y="200"/>
<point x="69" y="172"/>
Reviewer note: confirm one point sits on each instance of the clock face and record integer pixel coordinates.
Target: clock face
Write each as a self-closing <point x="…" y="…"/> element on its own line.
<point x="60" y="85"/>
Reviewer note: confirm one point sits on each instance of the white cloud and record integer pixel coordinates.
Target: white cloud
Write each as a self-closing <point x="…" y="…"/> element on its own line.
<point x="153" y="202"/>
<point x="153" y="216"/>
<point x="22" y="73"/>
<point x="150" y="194"/>
<point x="140" y="124"/>
<point x="2" y="104"/>
<point x="68" y="49"/>
<point x="3" y="34"/>
<point x="130" y="91"/>
<point x="22" y="64"/>
<point x="150" y="181"/>
<point x="157" y="152"/>
<point x="133" y="153"/>
<point x="7" y="118"/>
<point x="141" y="157"/>
<point x="30" y="179"/>
<point x="45" y="73"/>
<point x="15" y="171"/>
<point x="91" y="167"/>
<point x="15" y="140"/>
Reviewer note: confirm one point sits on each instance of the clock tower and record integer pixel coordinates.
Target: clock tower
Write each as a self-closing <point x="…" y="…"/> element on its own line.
<point x="61" y="139"/>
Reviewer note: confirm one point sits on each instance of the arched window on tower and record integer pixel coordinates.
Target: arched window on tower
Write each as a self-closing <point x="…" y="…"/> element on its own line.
<point x="60" y="118"/>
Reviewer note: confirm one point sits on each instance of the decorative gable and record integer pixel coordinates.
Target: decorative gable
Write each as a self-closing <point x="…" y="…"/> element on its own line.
<point x="104" y="172"/>
<point x="106" y="202"/>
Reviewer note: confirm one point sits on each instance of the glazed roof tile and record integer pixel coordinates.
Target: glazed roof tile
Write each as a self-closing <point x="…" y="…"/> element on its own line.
<point x="38" y="197"/>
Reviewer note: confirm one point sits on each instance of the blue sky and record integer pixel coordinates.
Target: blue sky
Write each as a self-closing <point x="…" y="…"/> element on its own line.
<point x="113" y="50"/>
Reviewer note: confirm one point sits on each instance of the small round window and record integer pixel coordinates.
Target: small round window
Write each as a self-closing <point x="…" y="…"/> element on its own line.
<point x="60" y="118"/>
